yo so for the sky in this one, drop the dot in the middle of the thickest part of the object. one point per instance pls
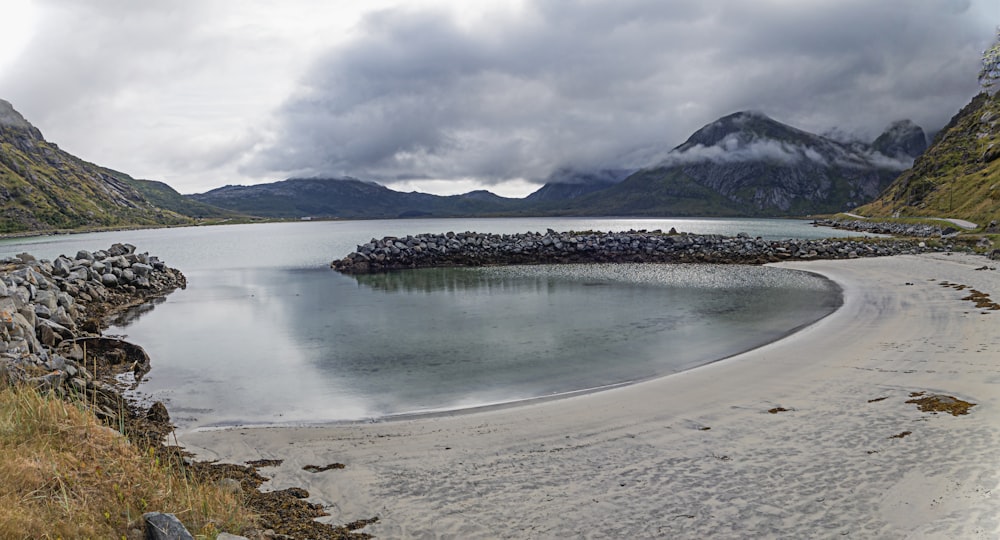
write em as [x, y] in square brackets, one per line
[448, 96]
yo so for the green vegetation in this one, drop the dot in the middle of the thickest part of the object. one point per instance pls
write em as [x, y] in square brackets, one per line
[65, 475]
[958, 176]
[163, 196]
[45, 188]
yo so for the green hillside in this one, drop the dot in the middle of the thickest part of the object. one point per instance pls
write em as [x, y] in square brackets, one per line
[163, 196]
[44, 188]
[958, 176]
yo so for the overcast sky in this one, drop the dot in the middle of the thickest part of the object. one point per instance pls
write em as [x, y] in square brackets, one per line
[446, 96]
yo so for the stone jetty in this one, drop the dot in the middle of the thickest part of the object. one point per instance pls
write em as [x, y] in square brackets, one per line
[551, 247]
[913, 230]
[52, 314]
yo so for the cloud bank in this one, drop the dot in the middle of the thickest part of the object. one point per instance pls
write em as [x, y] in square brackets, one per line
[508, 92]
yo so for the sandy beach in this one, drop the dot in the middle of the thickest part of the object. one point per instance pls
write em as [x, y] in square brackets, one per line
[807, 437]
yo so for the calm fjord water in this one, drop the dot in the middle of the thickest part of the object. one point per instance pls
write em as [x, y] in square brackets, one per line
[266, 334]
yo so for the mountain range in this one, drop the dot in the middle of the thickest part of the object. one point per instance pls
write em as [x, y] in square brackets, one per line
[743, 164]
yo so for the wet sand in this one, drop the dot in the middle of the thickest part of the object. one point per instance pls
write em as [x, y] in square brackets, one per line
[809, 436]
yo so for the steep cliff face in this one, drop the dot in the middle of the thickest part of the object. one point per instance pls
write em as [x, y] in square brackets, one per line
[44, 188]
[750, 165]
[958, 176]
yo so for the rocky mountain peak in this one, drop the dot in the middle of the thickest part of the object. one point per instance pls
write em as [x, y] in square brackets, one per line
[10, 118]
[902, 138]
[743, 128]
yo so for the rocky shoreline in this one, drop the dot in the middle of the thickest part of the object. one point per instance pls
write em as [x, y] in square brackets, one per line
[53, 313]
[551, 247]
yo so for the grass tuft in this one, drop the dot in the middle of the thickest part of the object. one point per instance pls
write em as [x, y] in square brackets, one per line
[64, 475]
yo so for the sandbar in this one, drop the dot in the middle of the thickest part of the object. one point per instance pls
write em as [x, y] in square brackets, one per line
[810, 436]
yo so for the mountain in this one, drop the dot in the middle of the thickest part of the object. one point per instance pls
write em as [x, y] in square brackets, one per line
[567, 183]
[959, 174]
[349, 198]
[166, 197]
[744, 164]
[44, 188]
[903, 139]
[747, 164]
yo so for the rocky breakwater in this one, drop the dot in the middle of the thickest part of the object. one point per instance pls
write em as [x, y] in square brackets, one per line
[913, 230]
[478, 249]
[52, 314]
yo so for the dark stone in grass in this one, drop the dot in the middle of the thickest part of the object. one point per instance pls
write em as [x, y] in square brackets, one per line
[161, 526]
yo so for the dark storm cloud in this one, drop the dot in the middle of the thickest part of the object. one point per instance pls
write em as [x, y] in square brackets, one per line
[607, 83]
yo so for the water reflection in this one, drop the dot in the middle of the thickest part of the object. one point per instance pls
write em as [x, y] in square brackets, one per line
[286, 346]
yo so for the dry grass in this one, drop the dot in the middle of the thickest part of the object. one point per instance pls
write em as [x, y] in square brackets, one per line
[64, 475]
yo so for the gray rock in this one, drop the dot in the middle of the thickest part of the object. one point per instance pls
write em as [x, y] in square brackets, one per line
[84, 255]
[227, 536]
[61, 266]
[109, 280]
[47, 299]
[142, 269]
[160, 526]
[56, 362]
[62, 317]
[78, 274]
[61, 331]
[48, 381]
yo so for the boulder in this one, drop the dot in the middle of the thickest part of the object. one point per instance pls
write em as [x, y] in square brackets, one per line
[160, 526]
[109, 280]
[142, 269]
[61, 266]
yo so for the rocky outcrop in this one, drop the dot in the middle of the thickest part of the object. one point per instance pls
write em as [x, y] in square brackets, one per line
[52, 312]
[478, 249]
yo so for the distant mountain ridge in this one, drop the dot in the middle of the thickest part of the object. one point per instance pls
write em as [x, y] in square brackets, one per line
[744, 164]
[349, 198]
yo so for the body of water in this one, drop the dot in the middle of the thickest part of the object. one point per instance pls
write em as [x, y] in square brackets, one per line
[266, 334]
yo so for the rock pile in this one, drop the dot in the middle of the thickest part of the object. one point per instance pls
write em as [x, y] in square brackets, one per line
[912, 230]
[478, 249]
[52, 312]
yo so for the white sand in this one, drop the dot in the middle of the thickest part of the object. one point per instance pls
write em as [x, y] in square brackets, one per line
[639, 461]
